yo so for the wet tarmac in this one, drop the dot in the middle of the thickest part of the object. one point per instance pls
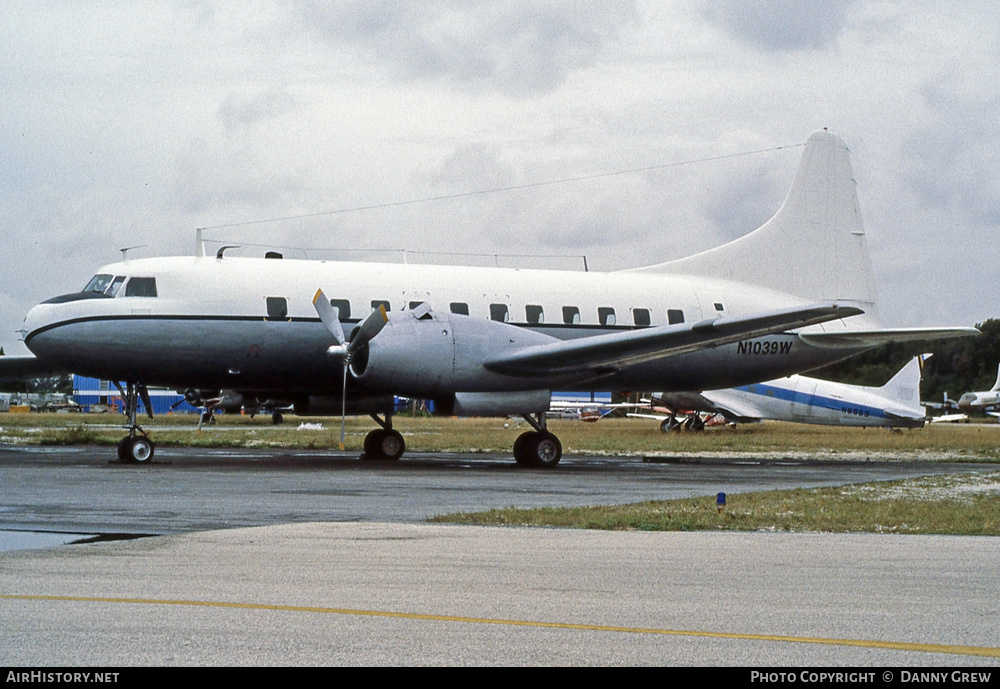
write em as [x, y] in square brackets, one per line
[261, 557]
[87, 490]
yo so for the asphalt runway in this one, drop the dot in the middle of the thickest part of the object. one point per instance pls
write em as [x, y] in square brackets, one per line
[278, 558]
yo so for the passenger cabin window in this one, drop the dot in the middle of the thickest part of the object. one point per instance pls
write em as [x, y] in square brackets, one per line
[675, 316]
[534, 314]
[460, 308]
[376, 303]
[277, 307]
[641, 317]
[499, 312]
[571, 315]
[98, 283]
[606, 315]
[140, 287]
[343, 308]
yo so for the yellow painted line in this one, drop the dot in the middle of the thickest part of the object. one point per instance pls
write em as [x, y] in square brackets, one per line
[986, 651]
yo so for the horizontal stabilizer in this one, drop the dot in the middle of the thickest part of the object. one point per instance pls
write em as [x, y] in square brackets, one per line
[874, 338]
[607, 353]
[733, 406]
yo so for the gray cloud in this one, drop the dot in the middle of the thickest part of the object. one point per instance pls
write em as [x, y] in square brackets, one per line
[239, 111]
[740, 203]
[952, 162]
[516, 48]
[779, 25]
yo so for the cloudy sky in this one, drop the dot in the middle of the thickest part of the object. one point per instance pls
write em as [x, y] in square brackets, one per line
[135, 123]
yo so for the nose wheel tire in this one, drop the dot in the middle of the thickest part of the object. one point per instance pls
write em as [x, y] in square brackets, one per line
[137, 449]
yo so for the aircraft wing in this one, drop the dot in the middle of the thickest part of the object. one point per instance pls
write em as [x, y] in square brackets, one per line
[949, 418]
[866, 338]
[13, 368]
[603, 354]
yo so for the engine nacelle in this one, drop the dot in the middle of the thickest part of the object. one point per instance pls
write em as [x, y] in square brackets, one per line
[330, 405]
[494, 403]
[430, 354]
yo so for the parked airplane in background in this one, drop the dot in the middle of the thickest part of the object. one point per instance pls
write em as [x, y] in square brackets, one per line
[479, 341]
[987, 401]
[211, 401]
[809, 400]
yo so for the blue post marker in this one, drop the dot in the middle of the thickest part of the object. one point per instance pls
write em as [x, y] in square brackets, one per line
[720, 502]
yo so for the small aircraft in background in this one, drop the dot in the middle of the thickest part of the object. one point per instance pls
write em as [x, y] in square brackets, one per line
[987, 401]
[588, 406]
[211, 401]
[802, 399]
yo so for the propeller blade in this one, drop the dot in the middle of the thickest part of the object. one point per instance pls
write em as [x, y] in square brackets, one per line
[343, 409]
[329, 315]
[370, 328]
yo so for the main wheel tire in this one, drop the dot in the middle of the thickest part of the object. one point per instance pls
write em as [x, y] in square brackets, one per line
[546, 451]
[383, 444]
[392, 445]
[521, 456]
[670, 425]
[372, 442]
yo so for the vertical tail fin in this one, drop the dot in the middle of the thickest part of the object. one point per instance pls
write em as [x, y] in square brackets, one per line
[814, 247]
[996, 385]
[905, 385]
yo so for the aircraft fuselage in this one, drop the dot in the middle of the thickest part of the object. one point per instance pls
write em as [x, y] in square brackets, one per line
[249, 324]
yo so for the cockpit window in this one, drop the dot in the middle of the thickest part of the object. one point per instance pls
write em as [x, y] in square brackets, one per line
[116, 285]
[98, 283]
[140, 287]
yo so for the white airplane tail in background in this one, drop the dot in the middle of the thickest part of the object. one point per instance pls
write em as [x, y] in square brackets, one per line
[814, 247]
[996, 385]
[905, 385]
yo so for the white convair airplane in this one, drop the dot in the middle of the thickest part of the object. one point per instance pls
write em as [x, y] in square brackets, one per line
[986, 400]
[802, 399]
[480, 341]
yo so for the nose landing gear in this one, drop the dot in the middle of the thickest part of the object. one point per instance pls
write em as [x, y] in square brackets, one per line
[136, 446]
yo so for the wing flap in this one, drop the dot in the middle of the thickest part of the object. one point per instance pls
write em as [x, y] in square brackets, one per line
[608, 353]
[873, 338]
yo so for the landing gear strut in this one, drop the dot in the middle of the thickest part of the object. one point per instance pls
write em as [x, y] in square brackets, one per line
[136, 446]
[538, 448]
[384, 443]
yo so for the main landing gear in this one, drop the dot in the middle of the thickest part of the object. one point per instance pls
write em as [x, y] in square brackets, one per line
[538, 448]
[136, 446]
[384, 443]
[695, 422]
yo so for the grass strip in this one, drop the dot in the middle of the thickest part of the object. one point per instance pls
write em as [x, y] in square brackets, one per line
[963, 504]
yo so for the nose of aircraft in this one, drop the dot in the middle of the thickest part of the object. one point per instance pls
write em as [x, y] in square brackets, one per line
[36, 322]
